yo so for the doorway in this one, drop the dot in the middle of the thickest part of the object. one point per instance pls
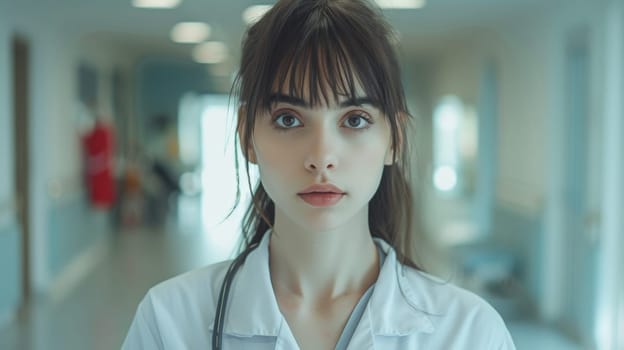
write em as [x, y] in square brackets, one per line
[21, 124]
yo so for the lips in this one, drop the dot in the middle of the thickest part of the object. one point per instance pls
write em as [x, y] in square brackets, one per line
[322, 195]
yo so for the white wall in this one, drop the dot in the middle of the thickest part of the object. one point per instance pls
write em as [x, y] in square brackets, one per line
[610, 303]
[106, 56]
[526, 94]
[58, 104]
[63, 54]
[49, 150]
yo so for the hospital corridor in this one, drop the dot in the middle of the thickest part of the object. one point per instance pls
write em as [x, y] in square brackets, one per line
[118, 159]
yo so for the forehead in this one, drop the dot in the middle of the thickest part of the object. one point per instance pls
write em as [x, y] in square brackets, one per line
[317, 85]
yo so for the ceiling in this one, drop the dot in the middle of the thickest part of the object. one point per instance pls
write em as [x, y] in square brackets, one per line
[147, 31]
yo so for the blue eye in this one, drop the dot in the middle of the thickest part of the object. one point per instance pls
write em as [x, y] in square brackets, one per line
[286, 121]
[357, 121]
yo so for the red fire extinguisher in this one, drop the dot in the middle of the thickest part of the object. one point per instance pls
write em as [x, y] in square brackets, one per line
[99, 147]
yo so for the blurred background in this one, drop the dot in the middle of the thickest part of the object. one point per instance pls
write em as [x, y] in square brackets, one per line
[117, 165]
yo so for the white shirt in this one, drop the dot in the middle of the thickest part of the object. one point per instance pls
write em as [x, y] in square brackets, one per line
[408, 309]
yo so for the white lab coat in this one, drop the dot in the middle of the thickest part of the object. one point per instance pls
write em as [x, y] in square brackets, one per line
[407, 310]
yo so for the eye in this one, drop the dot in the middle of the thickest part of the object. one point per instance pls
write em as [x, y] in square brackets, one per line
[286, 121]
[357, 121]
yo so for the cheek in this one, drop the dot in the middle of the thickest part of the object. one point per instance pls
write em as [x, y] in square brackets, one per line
[273, 157]
[370, 152]
[369, 161]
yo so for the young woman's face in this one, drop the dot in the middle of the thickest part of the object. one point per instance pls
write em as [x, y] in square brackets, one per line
[344, 144]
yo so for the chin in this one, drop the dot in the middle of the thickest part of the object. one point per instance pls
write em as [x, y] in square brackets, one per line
[321, 219]
[327, 221]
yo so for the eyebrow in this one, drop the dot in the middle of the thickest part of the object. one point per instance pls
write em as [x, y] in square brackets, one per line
[299, 102]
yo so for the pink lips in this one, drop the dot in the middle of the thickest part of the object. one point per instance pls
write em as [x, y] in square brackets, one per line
[322, 195]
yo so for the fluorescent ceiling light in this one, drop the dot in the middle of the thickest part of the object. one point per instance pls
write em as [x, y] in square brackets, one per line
[401, 4]
[210, 52]
[156, 4]
[190, 32]
[253, 13]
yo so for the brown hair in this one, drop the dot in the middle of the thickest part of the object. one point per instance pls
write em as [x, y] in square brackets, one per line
[333, 45]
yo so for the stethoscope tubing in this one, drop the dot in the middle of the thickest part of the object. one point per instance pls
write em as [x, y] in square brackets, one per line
[219, 319]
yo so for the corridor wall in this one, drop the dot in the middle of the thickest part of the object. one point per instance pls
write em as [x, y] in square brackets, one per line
[67, 236]
[71, 236]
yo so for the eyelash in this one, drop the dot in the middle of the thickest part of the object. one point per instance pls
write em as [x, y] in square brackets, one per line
[367, 119]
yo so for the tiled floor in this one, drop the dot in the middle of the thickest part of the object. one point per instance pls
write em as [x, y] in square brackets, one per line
[97, 313]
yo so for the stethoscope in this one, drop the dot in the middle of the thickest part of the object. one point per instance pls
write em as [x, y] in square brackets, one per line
[219, 319]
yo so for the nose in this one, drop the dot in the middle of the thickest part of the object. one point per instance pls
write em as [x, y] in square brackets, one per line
[321, 155]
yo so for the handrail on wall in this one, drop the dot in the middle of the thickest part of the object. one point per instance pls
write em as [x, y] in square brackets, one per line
[8, 209]
[63, 189]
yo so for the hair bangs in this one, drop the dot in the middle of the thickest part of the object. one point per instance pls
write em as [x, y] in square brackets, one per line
[323, 64]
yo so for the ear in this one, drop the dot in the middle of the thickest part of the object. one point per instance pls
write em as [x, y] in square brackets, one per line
[249, 152]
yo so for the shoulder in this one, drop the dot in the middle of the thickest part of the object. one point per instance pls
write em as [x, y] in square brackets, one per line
[194, 290]
[452, 308]
[438, 296]
[177, 311]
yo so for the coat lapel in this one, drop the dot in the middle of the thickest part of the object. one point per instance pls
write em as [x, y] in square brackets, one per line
[363, 337]
[391, 310]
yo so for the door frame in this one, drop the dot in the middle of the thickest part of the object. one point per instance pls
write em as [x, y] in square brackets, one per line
[21, 118]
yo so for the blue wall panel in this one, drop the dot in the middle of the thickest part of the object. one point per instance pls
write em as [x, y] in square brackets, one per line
[10, 269]
[71, 231]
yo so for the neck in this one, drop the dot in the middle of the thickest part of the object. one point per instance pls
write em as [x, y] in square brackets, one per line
[322, 266]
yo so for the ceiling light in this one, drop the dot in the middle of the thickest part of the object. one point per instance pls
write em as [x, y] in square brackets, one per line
[190, 32]
[156, 4]
[253, 13]
[210, 52]
[401, 4]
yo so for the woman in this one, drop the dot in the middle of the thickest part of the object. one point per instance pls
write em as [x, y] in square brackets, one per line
[323, 115]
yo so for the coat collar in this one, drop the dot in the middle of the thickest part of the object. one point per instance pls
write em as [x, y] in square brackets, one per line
[394, 308]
